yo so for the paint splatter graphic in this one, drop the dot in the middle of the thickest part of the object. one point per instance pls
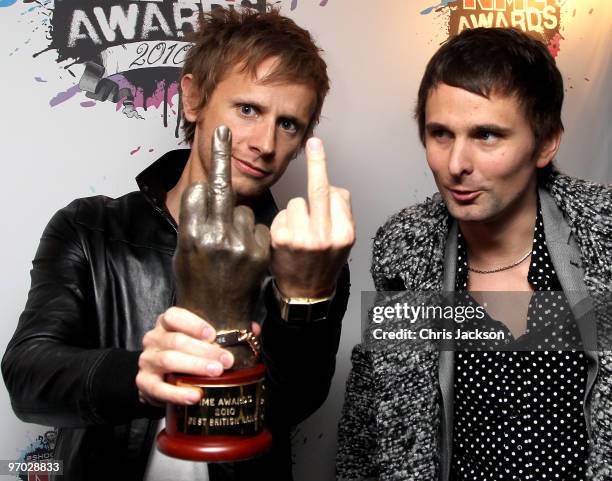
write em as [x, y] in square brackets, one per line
[132, 51]
[555, 45]
[294, 4]
[442, 4]
[63, 96]
[542, 22]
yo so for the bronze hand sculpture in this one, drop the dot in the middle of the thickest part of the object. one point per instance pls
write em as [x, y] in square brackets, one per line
[220, 262]
[222, 256]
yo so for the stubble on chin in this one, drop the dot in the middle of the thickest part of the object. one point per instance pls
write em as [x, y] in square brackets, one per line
[483, 210]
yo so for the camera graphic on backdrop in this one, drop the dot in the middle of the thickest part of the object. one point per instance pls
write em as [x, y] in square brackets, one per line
[129, 52]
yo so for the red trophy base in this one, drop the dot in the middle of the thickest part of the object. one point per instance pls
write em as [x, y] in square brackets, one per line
[214, 448]
[227, 424]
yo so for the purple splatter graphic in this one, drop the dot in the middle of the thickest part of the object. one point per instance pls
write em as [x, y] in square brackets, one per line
[294, 4]
[153, 99]
[63, 96]
[136, 48]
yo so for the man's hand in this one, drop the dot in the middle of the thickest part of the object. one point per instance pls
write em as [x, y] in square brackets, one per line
[181, 342]
[311, 241]
[219, 264]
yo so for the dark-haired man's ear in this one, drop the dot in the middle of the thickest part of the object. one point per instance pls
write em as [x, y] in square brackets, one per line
[548, 150]
[190, 98]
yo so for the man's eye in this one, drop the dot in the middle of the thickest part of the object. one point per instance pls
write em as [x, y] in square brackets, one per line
[440, 134]
[247, 110]
[487, 136]
[288, 125]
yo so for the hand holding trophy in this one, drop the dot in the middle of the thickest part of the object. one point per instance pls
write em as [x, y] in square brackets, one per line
[219, 265]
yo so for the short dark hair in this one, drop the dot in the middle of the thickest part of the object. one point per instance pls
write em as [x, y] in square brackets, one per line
[229, 37]
[503, 61]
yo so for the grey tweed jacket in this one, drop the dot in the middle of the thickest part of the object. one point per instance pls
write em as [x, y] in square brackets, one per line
[396, 421]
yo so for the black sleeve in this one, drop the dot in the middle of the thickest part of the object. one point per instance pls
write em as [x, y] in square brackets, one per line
[55, 371]
[300, 359]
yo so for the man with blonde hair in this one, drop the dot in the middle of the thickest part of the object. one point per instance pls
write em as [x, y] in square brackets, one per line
[102, 284]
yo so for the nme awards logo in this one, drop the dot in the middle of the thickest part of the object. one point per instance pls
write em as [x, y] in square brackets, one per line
[132, 51]
[538, 18]
[40, 451]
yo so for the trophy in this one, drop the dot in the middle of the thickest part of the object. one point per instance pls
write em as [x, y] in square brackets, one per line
[219, 264]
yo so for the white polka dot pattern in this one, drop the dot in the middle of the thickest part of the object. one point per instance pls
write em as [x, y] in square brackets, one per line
[518, 415]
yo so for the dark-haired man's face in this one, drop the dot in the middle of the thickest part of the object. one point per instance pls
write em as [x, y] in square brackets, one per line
[268, 123]
[481, 153]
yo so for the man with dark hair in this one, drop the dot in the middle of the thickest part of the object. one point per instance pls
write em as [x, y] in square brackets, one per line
[489, 115]
[102, 283]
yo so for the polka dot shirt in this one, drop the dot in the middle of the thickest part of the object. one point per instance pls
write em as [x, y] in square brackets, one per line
[518, 415]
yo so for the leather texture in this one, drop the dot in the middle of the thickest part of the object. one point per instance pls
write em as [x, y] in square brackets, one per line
[101, 276]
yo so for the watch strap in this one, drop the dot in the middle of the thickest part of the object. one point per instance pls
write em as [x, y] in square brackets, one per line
[235, 337]
[302, 309]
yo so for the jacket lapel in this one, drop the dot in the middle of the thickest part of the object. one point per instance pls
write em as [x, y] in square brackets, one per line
[446, 370]
[566, 258]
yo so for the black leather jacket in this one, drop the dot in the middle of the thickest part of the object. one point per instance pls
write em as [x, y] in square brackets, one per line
[101, 276]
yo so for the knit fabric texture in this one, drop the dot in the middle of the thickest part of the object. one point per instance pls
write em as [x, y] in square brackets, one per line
[391, 419]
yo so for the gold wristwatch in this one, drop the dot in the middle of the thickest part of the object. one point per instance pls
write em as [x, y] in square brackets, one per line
[302, 309]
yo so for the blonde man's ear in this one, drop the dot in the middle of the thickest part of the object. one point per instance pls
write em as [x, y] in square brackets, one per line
[190, 98]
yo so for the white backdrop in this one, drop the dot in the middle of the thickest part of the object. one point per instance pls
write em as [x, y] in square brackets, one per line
[376, 52]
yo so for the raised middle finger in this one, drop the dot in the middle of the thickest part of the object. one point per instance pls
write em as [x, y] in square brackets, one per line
[220, 195]
[318, 188]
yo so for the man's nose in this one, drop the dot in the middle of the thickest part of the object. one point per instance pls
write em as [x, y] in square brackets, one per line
[460, 162]
[263, 138]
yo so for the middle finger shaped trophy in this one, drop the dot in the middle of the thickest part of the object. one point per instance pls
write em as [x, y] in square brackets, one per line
[220, 262]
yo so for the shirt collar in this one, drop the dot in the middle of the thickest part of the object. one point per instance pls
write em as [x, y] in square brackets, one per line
[161, 176]
[541, 275]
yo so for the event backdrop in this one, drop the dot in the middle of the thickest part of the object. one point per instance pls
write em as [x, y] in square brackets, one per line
[89, 98]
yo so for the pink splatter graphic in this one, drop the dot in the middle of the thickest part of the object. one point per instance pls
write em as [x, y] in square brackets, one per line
[158, 97]
[554, 47]
[155, 100]
[132, 152]
[154, 89]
